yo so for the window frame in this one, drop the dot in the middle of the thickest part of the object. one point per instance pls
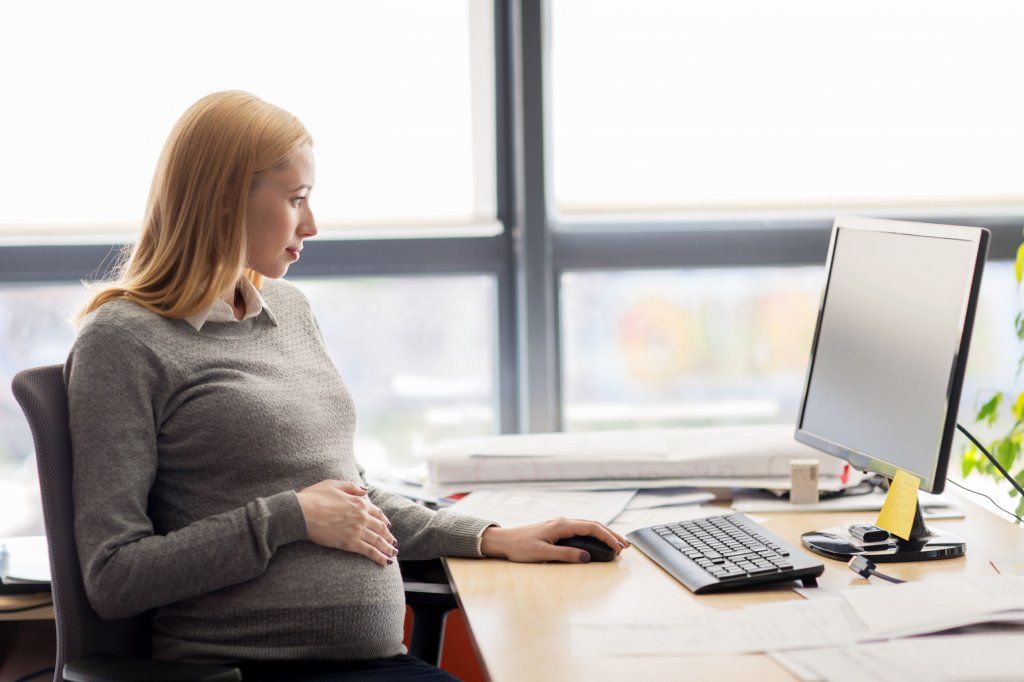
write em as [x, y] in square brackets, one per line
[534, 248]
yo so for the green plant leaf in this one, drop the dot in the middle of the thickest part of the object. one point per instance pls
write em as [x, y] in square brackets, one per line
[989, 411]
[1006, 452]
[1018, 266]
[1018, 325]
[1019, 477]
[969, 460]
[1018, 407]
[1020, 509]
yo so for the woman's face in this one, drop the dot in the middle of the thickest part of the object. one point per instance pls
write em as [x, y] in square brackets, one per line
[278, 215]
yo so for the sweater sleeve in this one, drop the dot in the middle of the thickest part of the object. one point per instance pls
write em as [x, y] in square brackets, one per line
[426, 534]
[116, 387]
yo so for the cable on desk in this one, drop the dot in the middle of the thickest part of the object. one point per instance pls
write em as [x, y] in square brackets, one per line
[27, 608]
[998, 466]
[987, 498]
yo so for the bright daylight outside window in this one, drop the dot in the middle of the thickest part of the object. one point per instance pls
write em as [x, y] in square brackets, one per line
[707, 346]
[742, 109]
[399, 98]
[800, 107]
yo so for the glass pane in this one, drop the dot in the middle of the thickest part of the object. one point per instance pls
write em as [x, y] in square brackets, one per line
[704, 346]
[35, 329]
[741, 105]
[398, 97]
[418, 354]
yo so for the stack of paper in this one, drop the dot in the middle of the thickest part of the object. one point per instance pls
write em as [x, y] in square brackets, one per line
[24, 561]
[932, 506]
[944, 658]
[853, 616]
[741, 456]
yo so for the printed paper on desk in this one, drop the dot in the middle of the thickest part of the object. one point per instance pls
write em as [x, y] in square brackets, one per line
[830, 483]
[1008, 566]
[914, 608]
[955, 658]
[669, 497]
[724, 452]
[519, 507]
[932, 506]
[634, 519]
[25, 561]
[765, 627]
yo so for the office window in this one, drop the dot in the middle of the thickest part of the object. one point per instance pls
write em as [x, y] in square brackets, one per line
[398, 96]
[795, 108]
[704, 346]
[36, 329]
[417, 353]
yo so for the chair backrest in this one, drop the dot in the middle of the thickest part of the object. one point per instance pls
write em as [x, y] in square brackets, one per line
[80, 631]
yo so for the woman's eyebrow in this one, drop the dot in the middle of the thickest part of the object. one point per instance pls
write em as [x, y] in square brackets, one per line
[301, 187]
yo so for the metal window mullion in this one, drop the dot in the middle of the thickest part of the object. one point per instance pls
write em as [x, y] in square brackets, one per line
[506, 199]
[638, 245]
[536, 304]
[341, 258]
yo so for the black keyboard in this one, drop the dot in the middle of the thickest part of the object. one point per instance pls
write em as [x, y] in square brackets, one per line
[724, 552]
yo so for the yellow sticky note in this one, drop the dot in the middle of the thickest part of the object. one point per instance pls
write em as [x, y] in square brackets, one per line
[897, 515]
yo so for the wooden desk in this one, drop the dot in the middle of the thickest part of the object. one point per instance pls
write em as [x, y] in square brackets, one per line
[518, 614]
[20, 600]
[28, 639]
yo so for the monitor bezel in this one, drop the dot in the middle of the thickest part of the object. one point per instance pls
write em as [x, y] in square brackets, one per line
[934, 481]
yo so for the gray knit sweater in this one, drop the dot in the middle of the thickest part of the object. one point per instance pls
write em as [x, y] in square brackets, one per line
[189, 448]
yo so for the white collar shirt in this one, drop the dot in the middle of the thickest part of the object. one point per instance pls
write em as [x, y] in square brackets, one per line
[220, 311]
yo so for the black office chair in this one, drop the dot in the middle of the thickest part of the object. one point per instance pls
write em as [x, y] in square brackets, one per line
[92, 649]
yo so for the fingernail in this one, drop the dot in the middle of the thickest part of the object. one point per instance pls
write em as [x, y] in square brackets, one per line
[622, 545]
[395, 543]
[584, 557]
[364, 487]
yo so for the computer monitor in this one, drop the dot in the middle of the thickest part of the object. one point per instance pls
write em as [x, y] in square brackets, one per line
[888, 359]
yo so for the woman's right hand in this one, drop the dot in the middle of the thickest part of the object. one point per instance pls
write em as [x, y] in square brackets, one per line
[340, 515]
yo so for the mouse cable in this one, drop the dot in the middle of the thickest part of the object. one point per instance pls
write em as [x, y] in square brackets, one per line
[865, 568]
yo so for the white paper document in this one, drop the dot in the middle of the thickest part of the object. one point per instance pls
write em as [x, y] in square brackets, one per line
[520, 507]
[855, 615]
[831, 483]
[669, 497]
[711, 452]
[920, 607]
[1008, 566]
[24, 560]
[933, 506]
[765, 627]
[632, 519]
[944, 658]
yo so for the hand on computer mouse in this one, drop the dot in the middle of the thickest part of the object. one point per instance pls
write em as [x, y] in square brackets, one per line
[539, 541]
[597, 550]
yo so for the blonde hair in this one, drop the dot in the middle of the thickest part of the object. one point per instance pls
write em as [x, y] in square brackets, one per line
[193, 246]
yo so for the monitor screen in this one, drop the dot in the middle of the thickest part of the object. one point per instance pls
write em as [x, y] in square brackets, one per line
[890, 347]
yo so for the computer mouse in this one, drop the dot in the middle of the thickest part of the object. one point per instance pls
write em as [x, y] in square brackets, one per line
[598, 550]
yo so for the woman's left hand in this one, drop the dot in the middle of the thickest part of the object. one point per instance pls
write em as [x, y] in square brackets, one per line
[536, 542]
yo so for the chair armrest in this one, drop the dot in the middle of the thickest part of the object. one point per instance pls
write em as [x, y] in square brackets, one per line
[123, 669]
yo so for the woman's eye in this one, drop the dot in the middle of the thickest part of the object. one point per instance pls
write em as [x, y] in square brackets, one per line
[297, 201]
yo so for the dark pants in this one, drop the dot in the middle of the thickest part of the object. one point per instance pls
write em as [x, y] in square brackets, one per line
[377, 670]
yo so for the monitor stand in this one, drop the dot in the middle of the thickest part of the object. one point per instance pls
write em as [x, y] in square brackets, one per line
[924, 544]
